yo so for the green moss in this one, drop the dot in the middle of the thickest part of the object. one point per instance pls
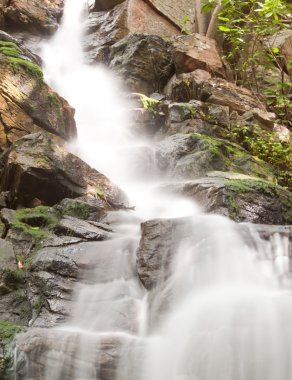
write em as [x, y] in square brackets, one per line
[9, 44]
[8, 332]
[99, 193]
[39, 304]
[36, 222]
[56, 104]
[30, 67]
[76, 209]
[10, 51]
[14, 58]
[14, 278]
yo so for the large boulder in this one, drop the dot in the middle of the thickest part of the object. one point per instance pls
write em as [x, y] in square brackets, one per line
[195, 51]
[37, 166]
[189, 156]
[132, 16]
[161, 239]
[144, 61]
[27, 104]
[95, 356]
[33, 15]
[240, 197]
[219, 91]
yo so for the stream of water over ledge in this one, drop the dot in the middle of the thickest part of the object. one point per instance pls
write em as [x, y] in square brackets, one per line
[221, 311]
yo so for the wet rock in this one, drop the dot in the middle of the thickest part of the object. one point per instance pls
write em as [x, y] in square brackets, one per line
[219, 91]
[27, 104]
[8, 331]
[71, 226]
[144, 61]
[33, 15]
[157, 247]
[38, 166]
[160, 239]
[195, 51]
[103, 355]
[87, 208]
[193, 155]
[103, 29]
[240, 197]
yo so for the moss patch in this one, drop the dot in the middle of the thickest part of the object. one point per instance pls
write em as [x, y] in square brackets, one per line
[8, 331]
[14, 58]
[77, 210]
[249, 190]
[36, 222]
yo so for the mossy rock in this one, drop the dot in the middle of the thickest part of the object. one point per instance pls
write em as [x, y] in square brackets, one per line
[8, 332]
[270, 202]
[190, 156]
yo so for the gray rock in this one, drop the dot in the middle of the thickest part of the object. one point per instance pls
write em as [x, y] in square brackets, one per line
[144, 61]
[71, 226]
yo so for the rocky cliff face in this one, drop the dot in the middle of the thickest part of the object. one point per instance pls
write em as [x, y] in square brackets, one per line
[208, 136]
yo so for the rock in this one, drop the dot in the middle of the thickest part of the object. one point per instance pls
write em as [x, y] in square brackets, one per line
[27, 104]
[219, 91]
[105, 5]
[240, 197]
[183, 87]
[283, 41]
[71, 226]
[8, 332]
[195, 51]
[180, 13]
[157, 247]
[86, 208]
[144, 61]
[38, 166]
[188, 156]
[39, 350]
[160, 238]
[33, 15]
[131, 16]
[8, 217]
[7, 266]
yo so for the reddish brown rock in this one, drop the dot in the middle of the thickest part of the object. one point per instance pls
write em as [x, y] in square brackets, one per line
[105, 5]
[38, 166]
[181, 13]
[34, 15]
[219, 91]
[194, 51]
[106, 28]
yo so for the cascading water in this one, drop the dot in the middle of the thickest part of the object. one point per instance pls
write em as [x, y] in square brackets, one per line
[220, 314]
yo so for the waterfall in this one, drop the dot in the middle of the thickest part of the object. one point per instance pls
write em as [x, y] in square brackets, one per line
[221, 313]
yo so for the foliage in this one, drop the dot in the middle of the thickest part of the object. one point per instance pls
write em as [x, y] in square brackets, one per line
[148, 103]
[267, 147]
[248, 27]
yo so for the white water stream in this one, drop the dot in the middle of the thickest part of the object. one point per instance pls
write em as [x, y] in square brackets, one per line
[227, 318]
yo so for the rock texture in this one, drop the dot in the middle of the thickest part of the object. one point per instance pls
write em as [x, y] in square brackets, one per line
[241, 198]
[194, 51]
[38, 349]
[145, 61]
[131, 16]
[37, 166]
[160, 239]
[32, 15]
[27, 104]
